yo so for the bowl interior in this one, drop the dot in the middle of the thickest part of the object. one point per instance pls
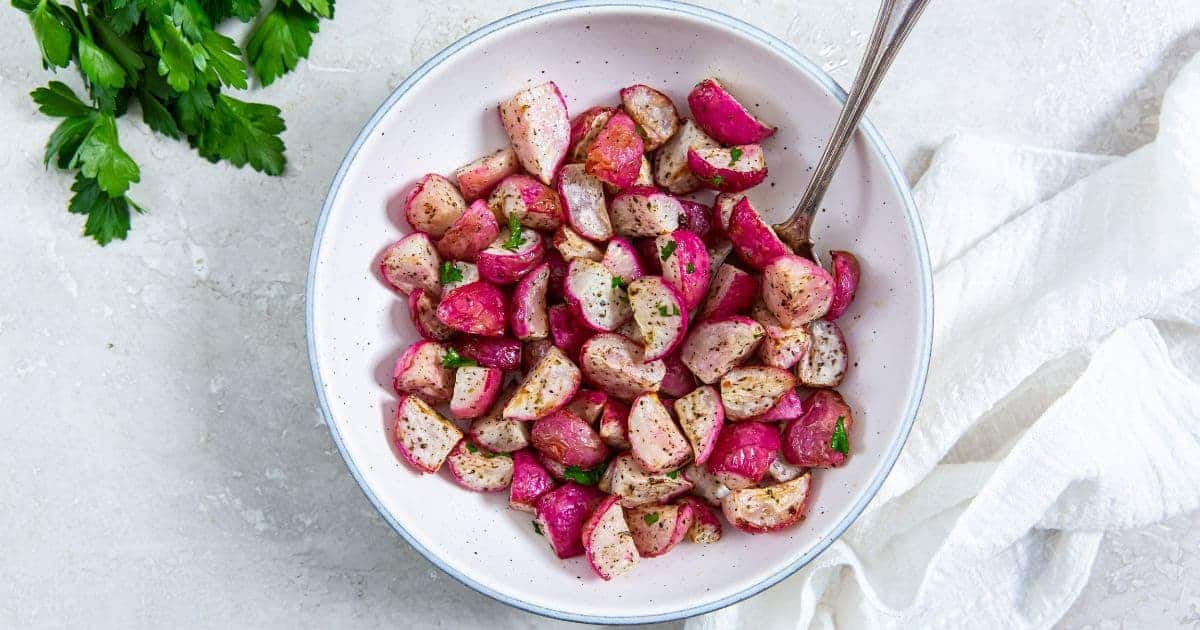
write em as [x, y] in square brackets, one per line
[446, 118]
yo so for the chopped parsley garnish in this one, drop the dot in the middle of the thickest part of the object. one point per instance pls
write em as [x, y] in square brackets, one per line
[472, 448]
[674, 474]
[586, 476]
[663, 312]
[691, 268]
[650, 518]
[515, 240]
[537, 528]
[735, 154]
[717, 180]
[449, 272]
[454, 360]
[667, 250]
[641, 132]
[619, 283]
[838, 441]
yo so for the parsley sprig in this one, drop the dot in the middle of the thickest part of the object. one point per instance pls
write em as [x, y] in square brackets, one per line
[168, 56]
[515, 239]
[449, 272]
[452, 359]
[838, 441]
[586, 476]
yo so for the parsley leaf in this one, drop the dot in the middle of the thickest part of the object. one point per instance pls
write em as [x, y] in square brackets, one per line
[99, 66]
[321, 8]
[650, 518]
[59, 100]
[619, 283]
[538, 528]
[586, 476]
[157, 116]
[449, 272]
[454, 360]
[674, 474]
[515, 240]
[193, 108]
[101, 157]
[472, 448]
[735, 154]
[224, 61]
[279, 41]
[53, 36]
[717, 180]
[65, 139]
[107, 217]
[243, 133]
[667, 250]
[838, 440]
[691, 268]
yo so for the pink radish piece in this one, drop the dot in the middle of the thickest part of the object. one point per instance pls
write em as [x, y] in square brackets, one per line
[608, 542]
[621, 260]
[723, 207]
[627, 479]
[410, 263]
[743, 453]
[751, 391]
[753, 240]
[583, 199]
[477, 179]
[561, 514]
[433, 205]
[782, 471]
[476, 469]
[796, 290]
[696, 217]
[705, 485]
[789, 407]
[657, 443]
[588, 404]
[758, 510]
[658, 528]
[584, 129]
[701, 416]
[671, 161]
[571, 245]
[538, 126]
[825, 362]
[566, 330]
[535, 205]
[723, 117]
[653, 112]
[547, 388]
[498, 435]
[529, 318]
[491, 352]
[706, 527]
[595, 299]
[423, 437]
[684, 265]
[729, 170]
[470, 234]
[678, 380]
[660, 313]
[781, 347]
[420, 371]
[500, 265]
[614, 425]
[567, 439]
[808, 440]
[731, 293]
[423, 311]
[475, 391]
[845, 283]
[618, 366]
[478, 308]
[529, 482]
[616, 155]
[644, 211]
[716, 346]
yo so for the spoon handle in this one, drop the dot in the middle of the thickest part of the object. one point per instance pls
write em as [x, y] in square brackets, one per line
[893, 24]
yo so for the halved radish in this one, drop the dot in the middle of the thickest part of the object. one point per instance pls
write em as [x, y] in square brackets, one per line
[660, 313]
[478, 308]
[845, 283]
[731, 293]
[701, 416]
[796, 290]
[781, 470]
[684, 261]
[477, 179]
[537, 124]
[491, 352]
[789, 407]
[616, 155]
[723, 207]
[567, 439]
[619, 367]
[423, 311]
[706, 527]
[470, 234]
[658, 528]
[588, 404]
[733, 169]
[671, 164]
[723, 117]
[583, 199]
[743, 453]
[420, 371]
[423, 437]
[412, 262]
[546, 389]
[758, 510]
[529, 482]
[535, 205]
[644, 211]
[476, 469]
[475, 390]
[606, 539]
[782, 347]
[567, 332]
[614, 425]
[621, 260]
[501, 265]
[825, 362]
[716, 346]
[584, 129]
[678, 380]
[497, 434]
[529, 318]
[747, 392]
[561, 514]
[571, 245]
[809, 439]
[696, 217]
[653, 112]
[754, 241]
[627, 479]
[705, 485]
[656, 442]
[433, 205]
[595, 297]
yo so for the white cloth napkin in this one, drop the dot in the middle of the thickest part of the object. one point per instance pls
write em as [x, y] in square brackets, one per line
[1063, 399]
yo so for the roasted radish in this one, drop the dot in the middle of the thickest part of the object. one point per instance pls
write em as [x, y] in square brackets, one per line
[588, 404]
[656, 442]
[476, 469]
[529, 482]
[781, 347]
[658, 528]
[610, 547]
[705, 485]
[731, 293]
[477, 179]
[758, 510]
[538, 126]
[491, 352]
[614, 425]
[716, 346]
[410, 263]
[619, 367]
[529, 318]
[644, 211]
[571, 245]
[583, 200]
[743, 453]
[475, 390]
[470, 234]
[678, 379]
[660, 313]
[567, 439]
[701, 416]
[754, 241]
[723, 117]
[671, 161]
[423, 311]
[596, 298]
[819, 438]
[433, 205]
[747, 392]
[824, 365]
[653, 112]
[420, 371]
[510, 256]
[546, 389]
[796, 290]
[533, 204]
[729, 170]
[423, 437]
[627, 479]
[616, 154]
[584, 129]
[478, 308]
[706, 527]
[684, 265]
[561, 514]
[621, 260]
[845, 283]
[567, 332]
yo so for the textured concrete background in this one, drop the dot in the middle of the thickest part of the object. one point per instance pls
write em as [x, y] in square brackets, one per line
[166, 463]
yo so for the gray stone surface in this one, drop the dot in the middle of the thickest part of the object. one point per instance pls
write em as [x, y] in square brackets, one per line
[166, 463]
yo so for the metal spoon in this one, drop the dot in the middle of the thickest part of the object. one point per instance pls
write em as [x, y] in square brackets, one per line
[893, 24]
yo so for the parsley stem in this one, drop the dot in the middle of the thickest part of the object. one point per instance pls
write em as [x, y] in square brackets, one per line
[87, 28]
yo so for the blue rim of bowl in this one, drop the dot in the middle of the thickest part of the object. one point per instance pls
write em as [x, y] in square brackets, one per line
[876, 144]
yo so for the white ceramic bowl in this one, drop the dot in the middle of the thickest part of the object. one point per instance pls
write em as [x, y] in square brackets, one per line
[443, 116]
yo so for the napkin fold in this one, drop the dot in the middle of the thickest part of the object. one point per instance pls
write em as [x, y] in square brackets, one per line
[1063, 398]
